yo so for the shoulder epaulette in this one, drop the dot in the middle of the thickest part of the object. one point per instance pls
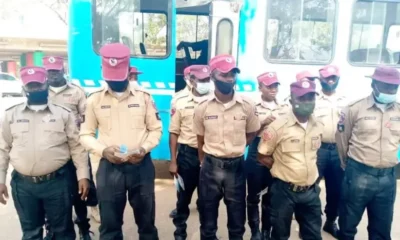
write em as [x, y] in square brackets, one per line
[278, 124]
[61, 106]
[248, 100]
[76, 85]
[355, 101]
[96, 91]
[14, 105]
[142, 89]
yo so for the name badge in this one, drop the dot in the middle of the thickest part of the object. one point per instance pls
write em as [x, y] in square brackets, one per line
[133, 105]
[240, 118]
[211, 117]
[369, 118]
[22, 120]
[105, 106]
[189, 107]
[395, 119]
[67, 95]
[295, 140]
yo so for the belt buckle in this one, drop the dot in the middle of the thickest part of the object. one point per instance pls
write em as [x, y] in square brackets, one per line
[294, 188]
[35, 179]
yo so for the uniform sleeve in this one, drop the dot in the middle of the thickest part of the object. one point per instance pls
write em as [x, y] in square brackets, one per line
[153, 125]
[268, 142]
[343, 134]
[79, 155]
[88, 131]
[198, 119]
[82, 104]
[5, 147]
[175, 123]
[253, 122]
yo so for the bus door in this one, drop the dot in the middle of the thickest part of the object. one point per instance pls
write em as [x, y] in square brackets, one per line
[224, 28]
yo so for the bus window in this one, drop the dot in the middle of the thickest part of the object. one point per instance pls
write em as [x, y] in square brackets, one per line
[191, 28]
[224, 37]
[141, 25]
[300, 31]
[375, 33]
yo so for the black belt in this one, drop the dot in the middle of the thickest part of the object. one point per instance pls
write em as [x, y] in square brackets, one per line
[187, 148]
[368, 169]
[295, 188]
[43, 178]
[224, 163]
[328, 146]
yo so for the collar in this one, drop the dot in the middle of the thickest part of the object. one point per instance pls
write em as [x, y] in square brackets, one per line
[236, 98]
[292, 120]
[323, 96]
[49, 107]
[130, 90]
[371, 102]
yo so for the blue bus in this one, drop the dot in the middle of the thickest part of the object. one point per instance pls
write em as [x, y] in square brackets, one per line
[286, 36]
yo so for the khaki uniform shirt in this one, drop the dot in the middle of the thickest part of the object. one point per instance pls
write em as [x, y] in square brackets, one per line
[368, 135]
[224, 128]
[131, 119]
[327, 111]
[39, 143]
[263, 112]
[182, 119]
[72, 97]
[293, 149]
[179, 94]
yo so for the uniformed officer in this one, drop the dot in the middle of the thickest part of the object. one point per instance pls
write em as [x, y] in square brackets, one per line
[126, 117]
[327, 110]
[186, 162]
[258, 176]
[301, 76]
[368, 137]
[38, 138]
[183, 92]
[133, 74]
[289, 147]
[224, 123]
[74, 98]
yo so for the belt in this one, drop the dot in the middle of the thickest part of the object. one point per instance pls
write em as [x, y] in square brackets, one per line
[43, 178]
[224, 163]
[328, 146]
[187, 148]
[295, 188]
[368, 169]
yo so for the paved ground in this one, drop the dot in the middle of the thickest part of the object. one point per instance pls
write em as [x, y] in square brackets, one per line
[165, 197]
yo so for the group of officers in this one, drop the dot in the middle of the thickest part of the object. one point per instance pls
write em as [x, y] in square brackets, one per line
[292, 146]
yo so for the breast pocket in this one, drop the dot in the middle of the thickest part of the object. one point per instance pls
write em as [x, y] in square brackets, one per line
[54, 133]
[138, 116]
[104, 119]
[366, 127]
[291, 147]
[239, 131]
[212, 130]
[20, 132]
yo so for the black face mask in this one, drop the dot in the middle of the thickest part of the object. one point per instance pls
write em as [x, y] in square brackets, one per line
[118, 86]
[224, 87]
[328, 87]
[37, 97]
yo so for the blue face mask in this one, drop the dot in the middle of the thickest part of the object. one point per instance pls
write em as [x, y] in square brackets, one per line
[385, 98]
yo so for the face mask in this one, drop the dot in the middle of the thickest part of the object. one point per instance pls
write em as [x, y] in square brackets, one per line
[385, 98]
[303, 109]
[329, 87]
[203, 88]
[37, 97]
[118, 86]
[224, 87]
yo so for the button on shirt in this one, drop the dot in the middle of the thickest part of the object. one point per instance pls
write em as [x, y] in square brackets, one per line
[224, 127]
[182, 120]
[131, 119]
[293, 149]
[368, 135]
[72, 97]
[327, 111]
[37, 143]
[264, 111]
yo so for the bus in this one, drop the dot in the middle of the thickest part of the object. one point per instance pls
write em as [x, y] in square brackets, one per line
[286, 36]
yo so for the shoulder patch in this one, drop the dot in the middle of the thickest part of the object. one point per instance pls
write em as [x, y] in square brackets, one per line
[61, 106]
[13, 106]
[96, 91]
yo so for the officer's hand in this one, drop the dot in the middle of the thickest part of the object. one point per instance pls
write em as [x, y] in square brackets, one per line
[137, 156]
[3, 194]
[173, 168]
[84, 187]
[109, 154]
[268, 121]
